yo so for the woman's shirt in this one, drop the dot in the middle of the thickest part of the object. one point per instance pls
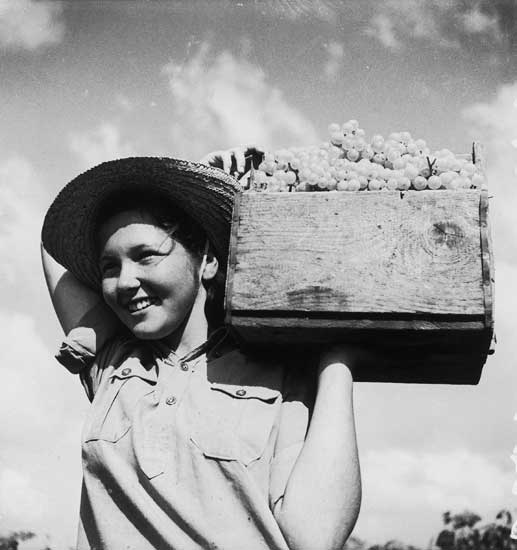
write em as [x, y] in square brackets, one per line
[185, 454]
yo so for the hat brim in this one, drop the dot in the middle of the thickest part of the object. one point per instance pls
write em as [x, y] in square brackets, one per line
[204, 193]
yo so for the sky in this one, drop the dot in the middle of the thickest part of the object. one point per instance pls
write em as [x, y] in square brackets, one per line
[86, 81]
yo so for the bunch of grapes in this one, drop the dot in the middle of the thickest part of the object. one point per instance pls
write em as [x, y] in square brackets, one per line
[350, 162]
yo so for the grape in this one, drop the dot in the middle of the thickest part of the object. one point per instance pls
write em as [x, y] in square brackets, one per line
[411, 171]
[412, 148]
[434, 182]
[353, 185]
[375, 185]
[331, 185]
[290, 178]
[353, 155]
[403, 183]
[419, 183]
[334, 128]
[363, 181]
[367, 152]
[393, 154]
[392, 184]
[342, 185]
[478, 180]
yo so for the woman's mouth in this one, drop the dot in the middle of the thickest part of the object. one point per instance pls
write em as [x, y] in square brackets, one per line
[140, 304]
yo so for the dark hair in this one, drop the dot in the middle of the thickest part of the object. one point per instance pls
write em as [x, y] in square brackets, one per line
[179, 226]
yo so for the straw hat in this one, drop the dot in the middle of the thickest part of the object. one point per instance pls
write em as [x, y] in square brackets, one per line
[204, 193]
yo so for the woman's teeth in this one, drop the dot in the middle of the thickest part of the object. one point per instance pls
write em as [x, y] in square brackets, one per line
[139, 304]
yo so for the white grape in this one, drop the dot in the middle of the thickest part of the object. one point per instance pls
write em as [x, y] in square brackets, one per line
[478, 180]
[352, 154]
[419, 183]
[434, 182]
[403, 183]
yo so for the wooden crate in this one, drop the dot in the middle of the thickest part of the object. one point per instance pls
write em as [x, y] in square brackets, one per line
[409, 273]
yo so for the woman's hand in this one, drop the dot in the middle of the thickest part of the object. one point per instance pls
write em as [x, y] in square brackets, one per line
[346, 356]
[236, 161]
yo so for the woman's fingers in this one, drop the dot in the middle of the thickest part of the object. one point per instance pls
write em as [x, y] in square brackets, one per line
[236, 161]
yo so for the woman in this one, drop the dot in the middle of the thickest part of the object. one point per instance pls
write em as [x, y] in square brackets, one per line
[189, 444]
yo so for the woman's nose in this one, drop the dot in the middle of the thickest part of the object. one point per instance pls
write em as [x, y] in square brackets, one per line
[128, 278]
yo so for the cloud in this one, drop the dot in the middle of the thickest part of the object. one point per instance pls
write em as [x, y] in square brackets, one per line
[420, 486]
[477, 22]
[220, 101]
[99, 145]
[22, 199]
[494, 124]
[444, 23]
[30, 24]
[42, 407]
[382, 28]
[336, 54]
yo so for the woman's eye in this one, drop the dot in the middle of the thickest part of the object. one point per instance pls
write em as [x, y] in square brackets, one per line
[108, 268]
[146, 256]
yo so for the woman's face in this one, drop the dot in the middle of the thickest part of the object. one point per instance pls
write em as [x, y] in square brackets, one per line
[149, 280]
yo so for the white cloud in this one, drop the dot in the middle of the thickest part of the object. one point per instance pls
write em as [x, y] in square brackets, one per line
[396, 22]
[220, 101]
[477, 22]
[415, 488]
[42, 407]
[494, 124]
[22, 200]
[336, 54]
[382, 28]
[29, 24]
[99, 145]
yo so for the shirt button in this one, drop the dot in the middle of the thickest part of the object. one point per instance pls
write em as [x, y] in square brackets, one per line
[170, 400]
[241, 393]
[125, 372]
[183, 365]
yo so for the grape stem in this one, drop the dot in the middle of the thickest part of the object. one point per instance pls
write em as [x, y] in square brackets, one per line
[431, 164]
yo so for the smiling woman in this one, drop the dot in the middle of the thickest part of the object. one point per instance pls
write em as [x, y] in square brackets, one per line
[189, 443]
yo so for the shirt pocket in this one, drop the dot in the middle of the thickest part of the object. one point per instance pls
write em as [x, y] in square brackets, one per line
[114, 404]
[235, 422]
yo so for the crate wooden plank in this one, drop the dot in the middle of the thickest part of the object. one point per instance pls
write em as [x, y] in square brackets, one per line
[359, 252]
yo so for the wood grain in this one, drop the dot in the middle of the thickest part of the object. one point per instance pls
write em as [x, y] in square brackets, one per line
[367, 252]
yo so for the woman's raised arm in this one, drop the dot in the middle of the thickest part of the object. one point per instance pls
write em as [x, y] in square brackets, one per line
[76, 305]
[323, 494]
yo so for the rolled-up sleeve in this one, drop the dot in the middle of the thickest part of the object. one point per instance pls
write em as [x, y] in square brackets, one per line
[294, 420]
[77, 351]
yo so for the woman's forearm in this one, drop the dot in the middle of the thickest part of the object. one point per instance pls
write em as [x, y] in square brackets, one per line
[323, 495]
[75, 304]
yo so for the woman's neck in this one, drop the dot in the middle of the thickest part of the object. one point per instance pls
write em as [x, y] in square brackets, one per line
[194, 331]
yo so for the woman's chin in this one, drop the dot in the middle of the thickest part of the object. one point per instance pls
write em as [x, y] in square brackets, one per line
[149, 332]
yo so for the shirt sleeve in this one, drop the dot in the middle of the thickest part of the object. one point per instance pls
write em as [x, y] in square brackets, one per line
[79, 354]
[78, 350]
[296, 410]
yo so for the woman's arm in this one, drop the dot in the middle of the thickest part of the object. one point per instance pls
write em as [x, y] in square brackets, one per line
[323, 494]
[76, 305]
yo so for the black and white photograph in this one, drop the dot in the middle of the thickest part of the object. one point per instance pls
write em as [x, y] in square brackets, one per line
[259, 268]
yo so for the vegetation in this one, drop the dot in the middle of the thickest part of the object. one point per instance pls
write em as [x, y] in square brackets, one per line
[461, 531]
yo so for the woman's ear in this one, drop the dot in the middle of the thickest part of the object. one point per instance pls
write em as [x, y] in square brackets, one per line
[211, 267]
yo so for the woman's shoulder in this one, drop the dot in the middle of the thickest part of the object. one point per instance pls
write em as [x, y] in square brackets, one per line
[273, 370]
